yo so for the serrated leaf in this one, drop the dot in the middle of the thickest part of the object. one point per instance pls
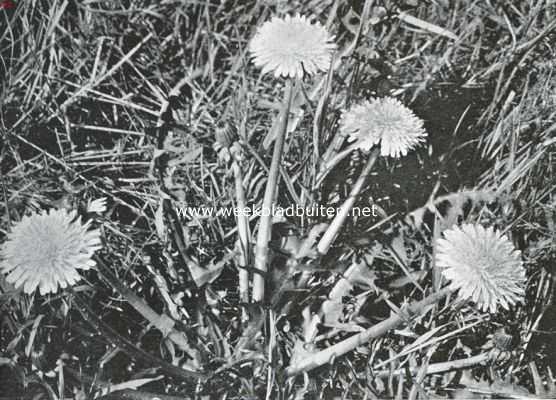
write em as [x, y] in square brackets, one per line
[97, 206]
[202, 276]
[208, 274]
[333, 311]
[308, 245]
[300, 351]
[449, 208]
[132, 384]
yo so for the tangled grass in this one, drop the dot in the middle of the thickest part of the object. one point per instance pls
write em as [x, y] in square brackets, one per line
[156, 106]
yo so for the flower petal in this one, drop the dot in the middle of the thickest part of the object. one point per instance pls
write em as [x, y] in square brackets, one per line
[386, 121]
[291, 47]
[483, 265]
[46, 250]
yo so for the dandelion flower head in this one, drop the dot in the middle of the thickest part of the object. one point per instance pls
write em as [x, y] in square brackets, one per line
[483, 265]
[386, 121]
[292, 46]
[46, 250]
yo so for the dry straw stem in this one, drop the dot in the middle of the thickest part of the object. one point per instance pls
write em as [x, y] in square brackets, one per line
[439, 368]
[265, 225]
[338, 221]
[339, 349]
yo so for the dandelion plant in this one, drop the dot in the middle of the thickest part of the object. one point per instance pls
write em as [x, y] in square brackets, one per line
[484, 267]
[290, 47]
[381, 126]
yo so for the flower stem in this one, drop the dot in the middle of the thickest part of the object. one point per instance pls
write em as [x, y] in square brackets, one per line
[442, 367]
[243, 233]
[330, 163]
[265, 225]
[338, 221]
[329, 354]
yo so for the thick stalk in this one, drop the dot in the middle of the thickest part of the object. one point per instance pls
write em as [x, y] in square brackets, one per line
[442, 367]
[339, 349]
[338, 221]
[265, 224]
[243, 233]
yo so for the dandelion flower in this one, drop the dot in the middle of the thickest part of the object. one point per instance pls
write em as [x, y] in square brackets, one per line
[483, 264]
[47, 249]
[291, 46]
[386, 121]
